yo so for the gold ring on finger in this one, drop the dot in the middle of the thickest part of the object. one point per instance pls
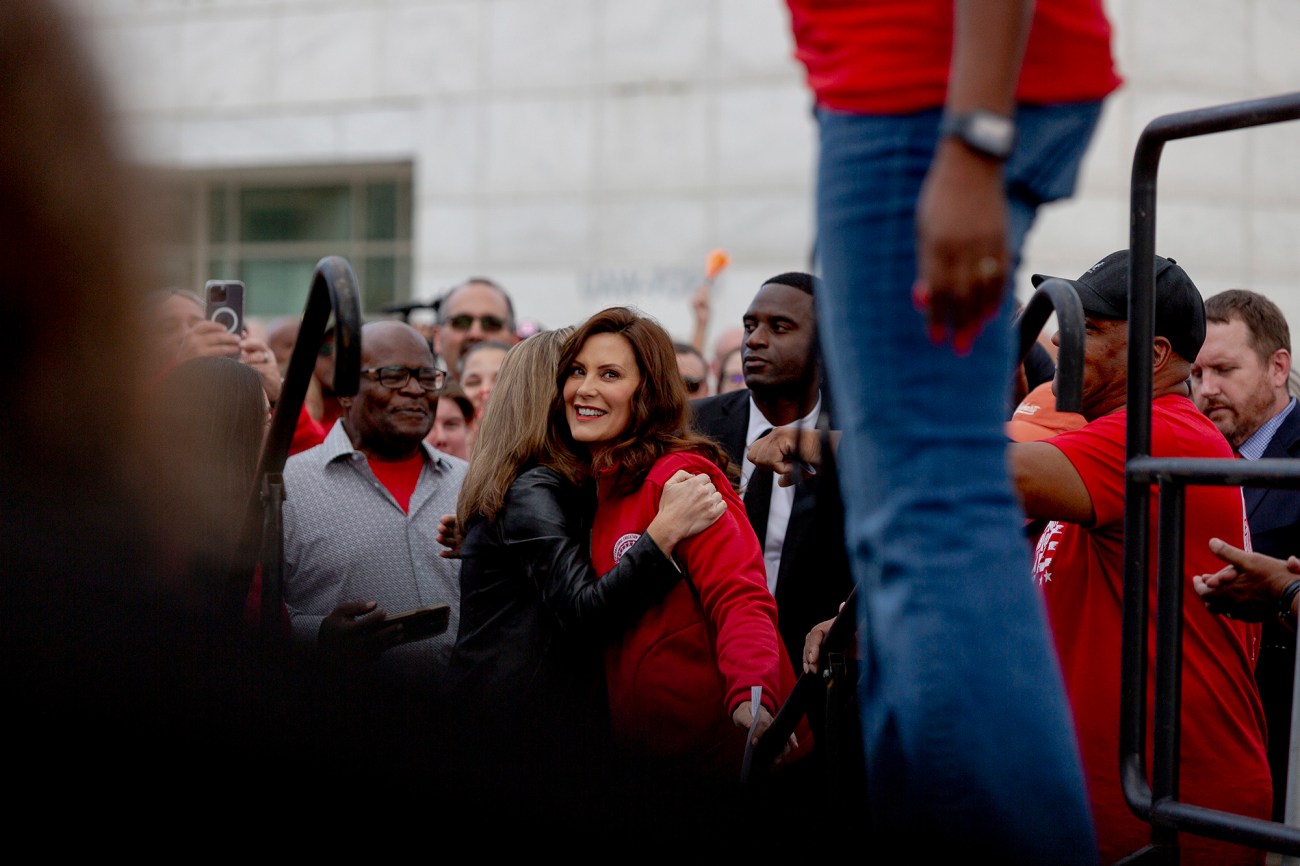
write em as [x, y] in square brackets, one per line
[988, 267]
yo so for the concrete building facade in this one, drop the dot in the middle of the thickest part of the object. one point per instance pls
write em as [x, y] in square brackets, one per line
[592, 152]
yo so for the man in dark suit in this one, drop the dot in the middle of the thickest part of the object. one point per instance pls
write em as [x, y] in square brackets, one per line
[1240, 382]
[801, 527]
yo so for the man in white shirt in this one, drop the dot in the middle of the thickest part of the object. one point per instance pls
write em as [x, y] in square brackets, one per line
[801, 527]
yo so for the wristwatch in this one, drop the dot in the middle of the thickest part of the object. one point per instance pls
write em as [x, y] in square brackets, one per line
[1284, 603]
[984, 132]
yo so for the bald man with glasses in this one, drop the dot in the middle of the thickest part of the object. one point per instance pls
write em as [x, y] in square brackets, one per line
[361, 516]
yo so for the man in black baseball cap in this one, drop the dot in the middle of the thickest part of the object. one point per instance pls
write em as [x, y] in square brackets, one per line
[1180, 311]
[1075, 481]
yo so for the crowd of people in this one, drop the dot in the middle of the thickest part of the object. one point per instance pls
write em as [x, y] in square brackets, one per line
[620, 618]
[627, 555]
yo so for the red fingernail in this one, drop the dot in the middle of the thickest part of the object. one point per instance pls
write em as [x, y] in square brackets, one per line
[920, 296]
[964, 340]
[936, 333]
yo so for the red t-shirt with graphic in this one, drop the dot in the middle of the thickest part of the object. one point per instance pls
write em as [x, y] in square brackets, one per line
[1223, 764]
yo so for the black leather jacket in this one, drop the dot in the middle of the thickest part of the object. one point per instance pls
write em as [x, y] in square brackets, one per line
[527, 666]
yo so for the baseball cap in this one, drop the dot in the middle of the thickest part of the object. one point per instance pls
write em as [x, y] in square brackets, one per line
[1180, 310]
[1038, 418]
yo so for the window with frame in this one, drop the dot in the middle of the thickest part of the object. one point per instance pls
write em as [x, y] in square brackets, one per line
[270, 229]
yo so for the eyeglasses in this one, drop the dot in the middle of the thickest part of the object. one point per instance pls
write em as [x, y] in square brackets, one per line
[693, 384]
[464, 322]
[430, 378]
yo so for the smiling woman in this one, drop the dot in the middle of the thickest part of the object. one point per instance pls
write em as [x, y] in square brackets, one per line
[599, 389]
[526, 668]
[680, 680]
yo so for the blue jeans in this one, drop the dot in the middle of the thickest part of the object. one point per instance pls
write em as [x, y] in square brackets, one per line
[967, 732]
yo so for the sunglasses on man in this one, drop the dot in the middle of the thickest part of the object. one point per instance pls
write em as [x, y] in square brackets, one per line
[464, 322]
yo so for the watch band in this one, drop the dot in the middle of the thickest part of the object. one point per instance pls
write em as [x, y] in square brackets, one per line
[1284, 602]
[985, 132]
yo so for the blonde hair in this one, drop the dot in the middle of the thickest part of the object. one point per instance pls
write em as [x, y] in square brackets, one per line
[519, 427]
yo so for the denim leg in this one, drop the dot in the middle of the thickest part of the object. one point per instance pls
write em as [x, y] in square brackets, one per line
[1045, 166]
[967, 733]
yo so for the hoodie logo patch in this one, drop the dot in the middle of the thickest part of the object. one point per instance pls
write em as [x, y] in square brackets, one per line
[624, 544]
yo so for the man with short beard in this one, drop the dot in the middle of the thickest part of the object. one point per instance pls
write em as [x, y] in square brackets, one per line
[361, 516]
[1239, 381]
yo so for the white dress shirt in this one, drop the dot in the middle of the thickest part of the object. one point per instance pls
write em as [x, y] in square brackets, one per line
[778, 515]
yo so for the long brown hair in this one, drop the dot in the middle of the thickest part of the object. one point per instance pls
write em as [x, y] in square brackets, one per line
[660, 422]
[209, 418]
[519, 427]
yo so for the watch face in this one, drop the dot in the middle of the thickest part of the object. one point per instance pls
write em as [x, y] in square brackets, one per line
[990, 134]
[993, 132]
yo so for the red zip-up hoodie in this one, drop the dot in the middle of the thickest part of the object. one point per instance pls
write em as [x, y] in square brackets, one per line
[679, 673]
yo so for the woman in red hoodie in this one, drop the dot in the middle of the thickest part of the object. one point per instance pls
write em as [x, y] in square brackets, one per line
[681, 681]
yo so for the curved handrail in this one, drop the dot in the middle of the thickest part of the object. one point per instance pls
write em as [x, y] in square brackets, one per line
[1057, 295]
[333, 291]
[838, 638]
[1154, 798]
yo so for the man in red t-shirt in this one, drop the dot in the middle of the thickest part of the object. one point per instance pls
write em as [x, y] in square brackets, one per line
[1076, 481]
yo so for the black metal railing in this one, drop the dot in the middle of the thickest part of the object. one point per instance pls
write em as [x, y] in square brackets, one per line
[1155, 800]
[1057, 296]
[333, 294]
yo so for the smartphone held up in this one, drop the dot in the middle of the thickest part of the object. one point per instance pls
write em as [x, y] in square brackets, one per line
[225, 304]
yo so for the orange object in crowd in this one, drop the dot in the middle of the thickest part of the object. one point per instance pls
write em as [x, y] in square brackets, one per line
[1037, 418]
[717, 260]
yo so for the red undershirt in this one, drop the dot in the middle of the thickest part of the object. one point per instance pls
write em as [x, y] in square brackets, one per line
[399, 476]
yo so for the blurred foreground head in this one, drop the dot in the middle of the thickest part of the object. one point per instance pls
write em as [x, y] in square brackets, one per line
[104, 661]
[77, 362]
[69, 297]
[118, 673]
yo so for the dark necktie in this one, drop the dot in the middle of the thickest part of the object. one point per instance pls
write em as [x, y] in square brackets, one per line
[758, 498]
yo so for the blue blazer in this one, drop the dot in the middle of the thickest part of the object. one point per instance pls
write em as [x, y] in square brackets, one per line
[1274, 513]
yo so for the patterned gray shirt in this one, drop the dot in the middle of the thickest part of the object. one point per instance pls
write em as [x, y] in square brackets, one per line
[347, 539]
